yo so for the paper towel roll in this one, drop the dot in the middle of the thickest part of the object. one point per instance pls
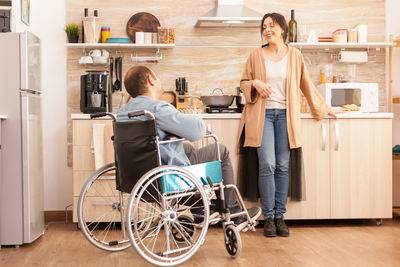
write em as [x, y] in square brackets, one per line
[98, 144]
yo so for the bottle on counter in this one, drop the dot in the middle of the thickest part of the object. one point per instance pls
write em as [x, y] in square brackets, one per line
[292, 28]
[105, 33]
[322, 79]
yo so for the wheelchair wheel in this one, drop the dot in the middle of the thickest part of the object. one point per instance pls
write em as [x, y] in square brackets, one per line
[188, 222]
[180, 220]
[101, 209]
[233, 242]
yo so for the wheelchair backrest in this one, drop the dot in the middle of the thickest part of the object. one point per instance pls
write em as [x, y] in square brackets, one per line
[135, 151]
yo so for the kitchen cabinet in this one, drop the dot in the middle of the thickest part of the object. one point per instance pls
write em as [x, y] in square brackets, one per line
[227, 131]
[83, 163]
[361, 168]
[316, 167]
[347, 169]
[347, 163]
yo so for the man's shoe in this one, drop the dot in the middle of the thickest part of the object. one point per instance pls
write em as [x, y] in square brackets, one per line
[241, 221]
[281, 227]
[269, 227]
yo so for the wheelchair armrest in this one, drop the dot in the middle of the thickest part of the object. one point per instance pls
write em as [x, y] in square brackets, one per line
[171, 137]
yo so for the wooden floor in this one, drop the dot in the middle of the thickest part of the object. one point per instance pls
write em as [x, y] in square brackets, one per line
[311, 243]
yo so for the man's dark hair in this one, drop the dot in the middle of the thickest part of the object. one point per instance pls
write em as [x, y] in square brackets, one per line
[276, 18]
[136, 80]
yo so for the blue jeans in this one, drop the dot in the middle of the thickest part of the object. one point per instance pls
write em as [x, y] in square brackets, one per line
[273, 164]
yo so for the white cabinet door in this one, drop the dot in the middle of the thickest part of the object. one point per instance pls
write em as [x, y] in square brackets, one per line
[361, 167]
[315, 136]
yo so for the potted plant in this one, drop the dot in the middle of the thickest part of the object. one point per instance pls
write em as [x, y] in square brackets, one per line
[72, 31]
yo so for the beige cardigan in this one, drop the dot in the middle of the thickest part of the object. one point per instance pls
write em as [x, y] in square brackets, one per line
[254, 111]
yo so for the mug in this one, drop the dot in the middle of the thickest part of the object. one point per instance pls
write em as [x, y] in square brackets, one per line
[95, 99]
[105, 53]
[139, 37]
[95, 53]
[100, 60]
[86, 60]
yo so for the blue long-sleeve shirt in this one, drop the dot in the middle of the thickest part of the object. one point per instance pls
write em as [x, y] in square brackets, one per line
[169, 121]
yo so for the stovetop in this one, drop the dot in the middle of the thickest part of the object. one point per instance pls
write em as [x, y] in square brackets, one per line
[224, 110]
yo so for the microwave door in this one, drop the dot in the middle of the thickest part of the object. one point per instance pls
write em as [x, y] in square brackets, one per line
[345, 96]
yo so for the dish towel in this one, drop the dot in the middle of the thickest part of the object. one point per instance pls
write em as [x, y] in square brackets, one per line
[98, 144]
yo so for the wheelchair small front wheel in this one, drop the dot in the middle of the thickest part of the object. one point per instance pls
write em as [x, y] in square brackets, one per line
[233, 242]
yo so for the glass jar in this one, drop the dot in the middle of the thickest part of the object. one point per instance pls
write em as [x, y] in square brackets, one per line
[352, 35]
[163, 37]
[171, 35]
[340, 36]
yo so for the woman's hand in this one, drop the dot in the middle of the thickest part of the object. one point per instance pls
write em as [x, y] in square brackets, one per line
[333, 113]
[262, 88]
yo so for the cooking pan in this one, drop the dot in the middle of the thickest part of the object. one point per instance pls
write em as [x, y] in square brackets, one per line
[217, 101]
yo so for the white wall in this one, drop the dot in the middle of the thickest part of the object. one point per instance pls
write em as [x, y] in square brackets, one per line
[47, 20]
[393, 27]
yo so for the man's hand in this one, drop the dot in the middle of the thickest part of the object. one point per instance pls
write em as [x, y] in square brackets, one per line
[263, 89]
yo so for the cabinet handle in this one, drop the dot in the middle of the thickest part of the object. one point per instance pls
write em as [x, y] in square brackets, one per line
[336, 126]
[323, 127]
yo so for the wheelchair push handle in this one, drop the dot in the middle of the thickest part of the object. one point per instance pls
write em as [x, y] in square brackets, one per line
[140, 113]
[102, 114]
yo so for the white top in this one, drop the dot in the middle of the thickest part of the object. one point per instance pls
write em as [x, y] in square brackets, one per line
[344, 115]
[276, 78]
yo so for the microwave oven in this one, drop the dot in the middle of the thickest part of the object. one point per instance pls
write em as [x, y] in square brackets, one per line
[364, 95]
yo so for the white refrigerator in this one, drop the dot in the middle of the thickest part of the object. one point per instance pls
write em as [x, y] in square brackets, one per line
[21, 196]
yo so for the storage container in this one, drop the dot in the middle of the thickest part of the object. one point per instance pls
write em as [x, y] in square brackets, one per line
[340, 36]
[352, 35]
[362, 29]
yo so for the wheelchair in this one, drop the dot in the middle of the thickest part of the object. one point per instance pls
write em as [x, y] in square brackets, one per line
[163, 211]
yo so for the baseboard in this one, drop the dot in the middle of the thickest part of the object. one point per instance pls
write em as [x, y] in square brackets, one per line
[57, 216]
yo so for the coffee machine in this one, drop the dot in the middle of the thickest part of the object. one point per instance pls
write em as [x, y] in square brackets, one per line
[95, 92]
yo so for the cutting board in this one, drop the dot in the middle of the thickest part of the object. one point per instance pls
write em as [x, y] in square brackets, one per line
[141, 22]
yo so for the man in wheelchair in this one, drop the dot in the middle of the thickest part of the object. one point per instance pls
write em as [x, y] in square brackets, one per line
[145, 89]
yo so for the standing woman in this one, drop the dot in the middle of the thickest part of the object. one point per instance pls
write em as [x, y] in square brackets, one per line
[271, 82]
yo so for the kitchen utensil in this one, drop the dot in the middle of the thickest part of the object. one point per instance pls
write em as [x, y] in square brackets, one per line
[240, 100]
[112, 74]
[118, 40]
[86, 60]
[141, 22]
[169, 97]
[95, 53]
[118, 74]
[222, 101]
[100, 60]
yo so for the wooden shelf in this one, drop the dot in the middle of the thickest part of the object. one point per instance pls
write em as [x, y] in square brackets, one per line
[396, 157]
[396, 100]
[115, 45]
[342, 45]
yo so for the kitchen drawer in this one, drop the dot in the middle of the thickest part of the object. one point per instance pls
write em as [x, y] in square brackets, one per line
[82, 131]
[97, 207]
[104, 187]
